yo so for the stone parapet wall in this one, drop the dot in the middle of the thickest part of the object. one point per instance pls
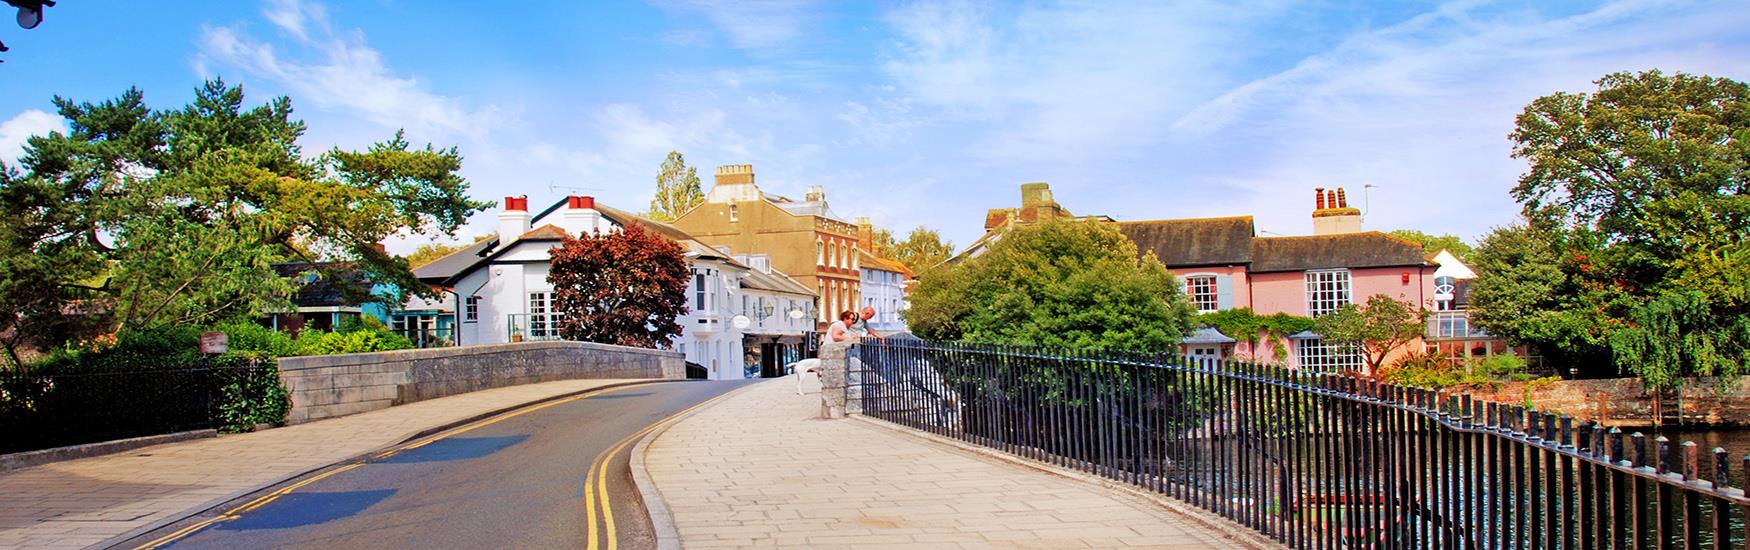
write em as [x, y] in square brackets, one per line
[1625, 402]
[327, 386]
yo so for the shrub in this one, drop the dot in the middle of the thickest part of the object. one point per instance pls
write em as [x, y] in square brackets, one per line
[1501, 366]
[252, 338]
[248, 396]
[357, 341]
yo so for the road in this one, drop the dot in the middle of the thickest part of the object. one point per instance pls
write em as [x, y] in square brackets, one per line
[546, 476]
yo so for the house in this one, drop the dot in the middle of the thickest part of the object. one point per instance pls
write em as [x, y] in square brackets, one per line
[328, 296]
[804, 239]
[1224, 264]
[780, 316]
[1450, 333]
[501, 294]
[1037, 205]
[884, 283]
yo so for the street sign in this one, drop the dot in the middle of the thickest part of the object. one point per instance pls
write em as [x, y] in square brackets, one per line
[214, 343]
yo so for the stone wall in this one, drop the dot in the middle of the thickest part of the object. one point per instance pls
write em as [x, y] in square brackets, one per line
[1624, 402]
[327, 386]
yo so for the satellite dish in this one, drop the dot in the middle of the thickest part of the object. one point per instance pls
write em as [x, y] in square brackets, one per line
[740, 322]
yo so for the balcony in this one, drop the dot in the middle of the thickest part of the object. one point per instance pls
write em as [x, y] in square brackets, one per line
[1453, 325]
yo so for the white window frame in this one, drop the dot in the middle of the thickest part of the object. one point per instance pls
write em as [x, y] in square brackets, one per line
[1316, 355]
[541, 312]
[1211, 301]
[1328, 290]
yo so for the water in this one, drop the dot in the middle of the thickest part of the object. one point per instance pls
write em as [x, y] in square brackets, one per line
[1736, 442]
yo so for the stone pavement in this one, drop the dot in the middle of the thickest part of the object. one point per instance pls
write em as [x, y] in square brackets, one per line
[80, 503]
[760, 470]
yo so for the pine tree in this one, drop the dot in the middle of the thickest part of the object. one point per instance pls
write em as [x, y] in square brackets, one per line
[677, 189]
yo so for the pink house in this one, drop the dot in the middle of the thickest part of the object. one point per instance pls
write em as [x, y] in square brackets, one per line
[1224, 264]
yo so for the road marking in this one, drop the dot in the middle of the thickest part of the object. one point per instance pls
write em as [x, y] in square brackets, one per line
[598, 474]
[263, 500]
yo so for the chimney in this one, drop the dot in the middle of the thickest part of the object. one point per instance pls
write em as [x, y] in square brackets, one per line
[815, 193]
[580, 216]
[514, 220]
[1333, 215]
[1036, 194]
[866, 234]
[735, 174]
[1319, 198]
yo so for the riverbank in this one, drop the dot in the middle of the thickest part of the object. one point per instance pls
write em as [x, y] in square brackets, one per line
[1625, 402]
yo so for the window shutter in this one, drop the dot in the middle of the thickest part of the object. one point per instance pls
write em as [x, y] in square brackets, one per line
[1224, 292]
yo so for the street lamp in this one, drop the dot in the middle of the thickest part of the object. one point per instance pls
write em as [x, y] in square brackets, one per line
[30, 14]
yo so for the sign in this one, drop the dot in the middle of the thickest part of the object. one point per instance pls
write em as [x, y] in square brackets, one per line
[740, 322]
[214, 343]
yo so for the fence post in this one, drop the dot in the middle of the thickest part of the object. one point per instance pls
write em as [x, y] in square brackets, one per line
[834, 364]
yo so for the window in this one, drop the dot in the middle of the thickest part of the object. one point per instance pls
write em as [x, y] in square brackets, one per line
[1453, 324]
[819, 253]
[1443, 290]
[732, 216]
[1326, 291]
[854, 253]
[541, 318]
[471, 309]
[698, 291]
[1201, 290]
[1322, 357]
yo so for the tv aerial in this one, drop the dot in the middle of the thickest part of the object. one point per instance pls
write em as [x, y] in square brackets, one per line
[568, 189]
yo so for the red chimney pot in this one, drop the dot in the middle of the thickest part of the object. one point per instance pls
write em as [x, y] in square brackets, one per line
[520, 204]
[1342, 198]
[1319, 196]
[576, 202]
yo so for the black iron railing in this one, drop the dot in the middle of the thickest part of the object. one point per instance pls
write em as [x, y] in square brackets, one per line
[1312, 460]
[39, 411]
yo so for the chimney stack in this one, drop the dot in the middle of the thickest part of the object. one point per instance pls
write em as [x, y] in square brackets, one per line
[580, 216]
[1333, 215]
[1319, 198]
[514, 220]
[815, 193]
[866, 234]
[732, 174]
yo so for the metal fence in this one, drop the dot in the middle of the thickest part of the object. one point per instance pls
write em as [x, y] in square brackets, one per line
[1311, 460]
[39, 411]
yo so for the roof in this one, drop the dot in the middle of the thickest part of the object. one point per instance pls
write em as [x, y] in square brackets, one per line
[454, 262]
[775, 281]
[691, 245]
[869, 260]
[324, 291]
[1207, 335]
[1195, 241]
[1347, 250]
[807, 208]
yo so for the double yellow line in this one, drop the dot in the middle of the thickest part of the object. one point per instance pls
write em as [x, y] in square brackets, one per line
[263, 500]
[596, 486]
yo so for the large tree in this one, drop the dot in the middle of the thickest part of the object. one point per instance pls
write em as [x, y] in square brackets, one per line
[1068, 284]
[677, 189]
[921, 250]
[430, 252]
[1433, 244]
[174, 217]
[1637, 206]
[623, 287]
[1375, 328]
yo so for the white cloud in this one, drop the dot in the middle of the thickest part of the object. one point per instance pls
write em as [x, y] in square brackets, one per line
[754, 24]
[20, 127]
[339, 70]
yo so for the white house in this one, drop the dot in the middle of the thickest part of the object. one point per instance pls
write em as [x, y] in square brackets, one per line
[884, 289]
[780, 314]
[502, 294]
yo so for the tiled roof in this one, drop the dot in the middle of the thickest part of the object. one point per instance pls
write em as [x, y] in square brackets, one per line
[454, 262]
[1206, 335]
[1347, 250]
[870, 260]
[776, 281]
[1194, 242]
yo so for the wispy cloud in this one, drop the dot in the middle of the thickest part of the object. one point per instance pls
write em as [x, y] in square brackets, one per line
[755, 24]
[16, 130]
[336, 69]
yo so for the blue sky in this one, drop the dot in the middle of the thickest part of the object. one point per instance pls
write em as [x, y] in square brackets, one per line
[913, 114]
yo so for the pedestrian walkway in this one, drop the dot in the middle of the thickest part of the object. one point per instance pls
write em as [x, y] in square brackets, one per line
[79, 503]
[759, 470]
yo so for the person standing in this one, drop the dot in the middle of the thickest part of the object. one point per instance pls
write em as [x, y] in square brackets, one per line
[840, 331]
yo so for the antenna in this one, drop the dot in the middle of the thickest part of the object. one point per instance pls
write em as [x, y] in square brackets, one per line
[569, 189]
[1366, 200]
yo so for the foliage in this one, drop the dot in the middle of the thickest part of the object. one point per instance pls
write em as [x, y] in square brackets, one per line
[881, 242]
[174, 217]
[1634, 250]
[249, 393]
[252, 338]
[1427, 370]
[677, 189]
[1433, 244]
[1377, 327]
[315, 342]
[921, 250]
[623, 287]
[1065, 284]
[1244, 324]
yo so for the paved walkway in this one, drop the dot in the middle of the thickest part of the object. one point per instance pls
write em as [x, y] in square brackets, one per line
[79, 503]
[759, 470]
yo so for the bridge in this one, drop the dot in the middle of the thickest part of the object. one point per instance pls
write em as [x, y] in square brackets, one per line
[906, 443]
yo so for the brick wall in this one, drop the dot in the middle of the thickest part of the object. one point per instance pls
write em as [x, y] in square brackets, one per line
[336, 385]
[1624, 402]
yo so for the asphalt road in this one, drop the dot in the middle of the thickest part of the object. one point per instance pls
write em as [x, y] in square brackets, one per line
[519, 480]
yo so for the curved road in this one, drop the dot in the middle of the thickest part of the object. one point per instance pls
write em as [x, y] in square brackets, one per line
[545, 476]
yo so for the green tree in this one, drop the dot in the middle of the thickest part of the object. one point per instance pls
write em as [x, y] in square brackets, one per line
[882, 243]
[1066, 284]
[622, 287]
[174, 217]
[921, 250]
[1375, 328]
[677, 189]
[430, 252]
[1637, 202]
[1433, 244]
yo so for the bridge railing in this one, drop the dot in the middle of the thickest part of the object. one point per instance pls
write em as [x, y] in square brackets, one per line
[1315, 460]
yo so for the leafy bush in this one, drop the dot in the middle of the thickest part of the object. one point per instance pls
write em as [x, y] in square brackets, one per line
[1501, 366]
[163, 348]
[252, 338]
[358, 341]
[248, 396]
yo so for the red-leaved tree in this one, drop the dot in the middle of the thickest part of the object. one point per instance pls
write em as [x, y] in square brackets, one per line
[623, 287]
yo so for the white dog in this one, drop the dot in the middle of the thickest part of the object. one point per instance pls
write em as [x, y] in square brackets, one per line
[804, 367]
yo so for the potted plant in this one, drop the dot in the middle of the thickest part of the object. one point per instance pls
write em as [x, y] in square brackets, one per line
[516, 334]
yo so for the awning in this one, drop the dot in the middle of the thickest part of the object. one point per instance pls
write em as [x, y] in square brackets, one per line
[1207, 335]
